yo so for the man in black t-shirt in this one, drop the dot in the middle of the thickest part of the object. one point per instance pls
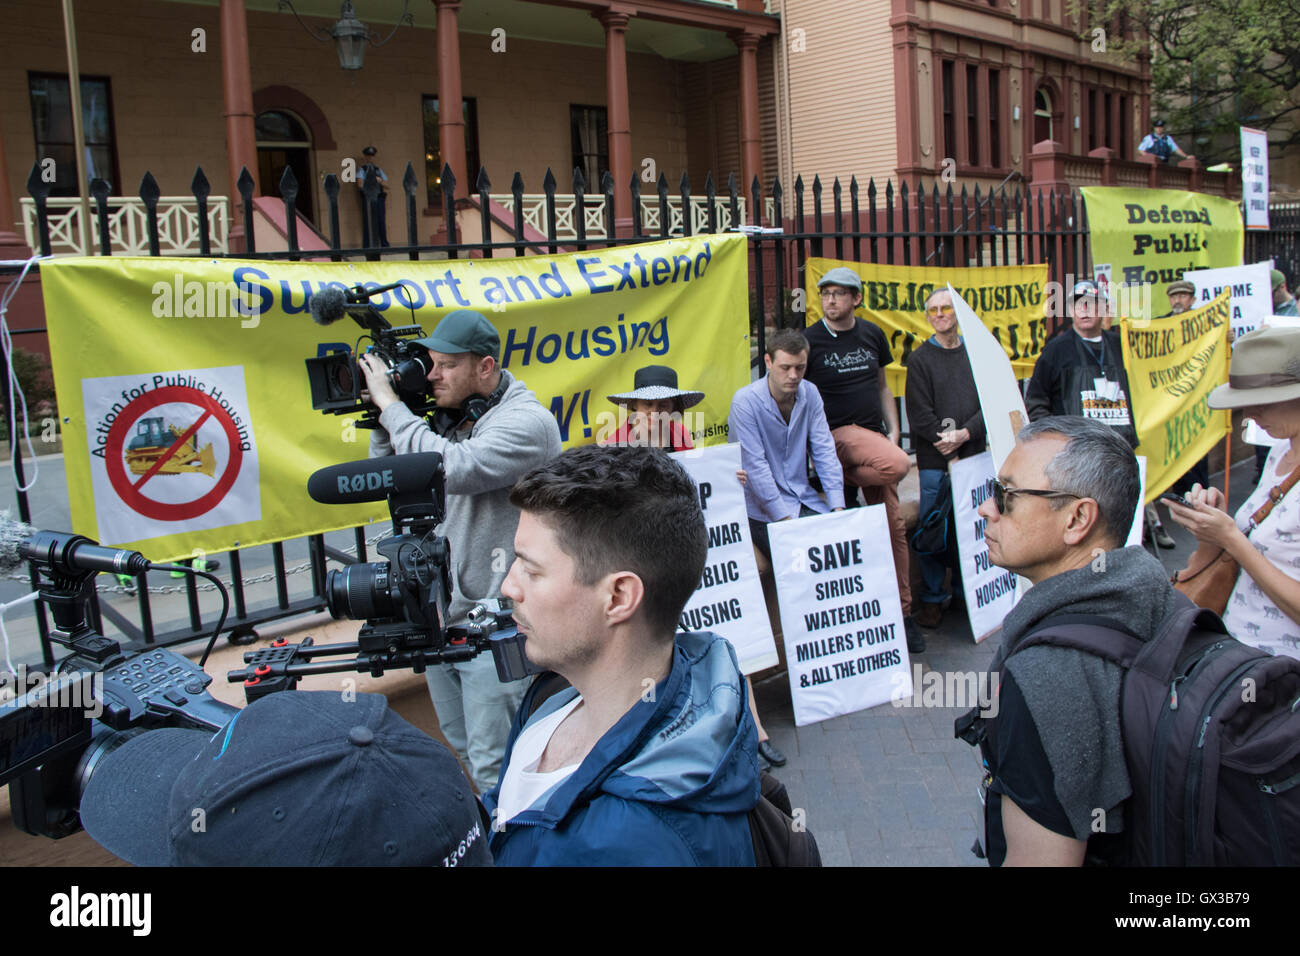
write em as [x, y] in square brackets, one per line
[846, 362]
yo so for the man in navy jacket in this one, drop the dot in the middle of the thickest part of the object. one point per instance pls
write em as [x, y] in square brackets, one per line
[648, 757]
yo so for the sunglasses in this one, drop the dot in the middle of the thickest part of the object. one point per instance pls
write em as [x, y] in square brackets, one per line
[940, 310]
[1001, 493]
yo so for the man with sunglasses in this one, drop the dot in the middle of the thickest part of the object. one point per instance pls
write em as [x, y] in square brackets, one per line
[943, 409]
[1059, 514]
[846, 362]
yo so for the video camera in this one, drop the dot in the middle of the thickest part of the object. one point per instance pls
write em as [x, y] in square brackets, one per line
[54, 736]
[336, 381]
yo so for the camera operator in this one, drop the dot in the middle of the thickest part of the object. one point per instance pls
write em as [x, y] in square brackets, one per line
[297, 778]
[490, 430]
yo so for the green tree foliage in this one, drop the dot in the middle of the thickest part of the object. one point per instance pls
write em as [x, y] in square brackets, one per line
[1216, 65]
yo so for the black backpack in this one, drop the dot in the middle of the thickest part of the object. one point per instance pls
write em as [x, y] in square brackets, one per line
[1211, 732]
[779, 840]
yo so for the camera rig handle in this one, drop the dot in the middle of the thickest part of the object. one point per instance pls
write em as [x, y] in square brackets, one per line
[282, 665]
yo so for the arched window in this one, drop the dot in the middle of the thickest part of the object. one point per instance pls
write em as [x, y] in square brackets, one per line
[1043, 128]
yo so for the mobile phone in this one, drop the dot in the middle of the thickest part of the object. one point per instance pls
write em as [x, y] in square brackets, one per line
[1176, 499]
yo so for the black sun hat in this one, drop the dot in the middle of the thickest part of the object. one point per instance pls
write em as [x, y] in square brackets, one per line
[655, 382]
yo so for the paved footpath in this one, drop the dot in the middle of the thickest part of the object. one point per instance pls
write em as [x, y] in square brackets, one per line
[891, 786]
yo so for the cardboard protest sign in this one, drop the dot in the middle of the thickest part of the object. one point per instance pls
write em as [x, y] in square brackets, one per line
[1254, 176]
[990, 591]
[1250, 288]
[1000, 398]
[729, 598]
[841, 617]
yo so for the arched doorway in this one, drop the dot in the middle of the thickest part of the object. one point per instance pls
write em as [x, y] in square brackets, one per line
[1043, 126]
[284, 140]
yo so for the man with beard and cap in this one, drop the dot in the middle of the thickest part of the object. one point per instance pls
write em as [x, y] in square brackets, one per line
[846, 362]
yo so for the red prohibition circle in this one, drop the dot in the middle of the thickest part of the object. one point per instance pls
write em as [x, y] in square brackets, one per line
[135, 499]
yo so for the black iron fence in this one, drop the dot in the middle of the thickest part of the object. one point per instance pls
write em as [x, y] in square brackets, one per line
[912, 225]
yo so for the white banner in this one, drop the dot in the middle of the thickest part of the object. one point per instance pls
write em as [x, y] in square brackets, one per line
[990, 591]
[995, 382]
[1251, 288]
[729, 599]
[1254, 176]
[840, 615]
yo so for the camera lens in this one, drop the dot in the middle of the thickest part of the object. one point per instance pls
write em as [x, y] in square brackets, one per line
[411, 375]
[359, 592]
[344, 378]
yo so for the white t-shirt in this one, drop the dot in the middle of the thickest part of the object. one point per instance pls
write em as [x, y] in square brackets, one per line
[522, 784]
[1250, 616]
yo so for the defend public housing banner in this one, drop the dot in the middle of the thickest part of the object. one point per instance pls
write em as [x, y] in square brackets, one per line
[187, 413]
[1173, 363]
[1152, 236]
[1009, 300]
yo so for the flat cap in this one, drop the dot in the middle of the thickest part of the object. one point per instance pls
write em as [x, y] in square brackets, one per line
[841, 276]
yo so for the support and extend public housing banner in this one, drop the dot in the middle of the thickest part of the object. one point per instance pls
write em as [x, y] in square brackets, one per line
[1173, 363]
[1009, 300]
[187, 414]
[1150, 237]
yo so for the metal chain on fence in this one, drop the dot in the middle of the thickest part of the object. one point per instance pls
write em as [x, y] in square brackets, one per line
[181, 588]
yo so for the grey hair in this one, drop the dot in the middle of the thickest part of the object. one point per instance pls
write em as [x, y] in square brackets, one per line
[1095, 463]
[933, 292]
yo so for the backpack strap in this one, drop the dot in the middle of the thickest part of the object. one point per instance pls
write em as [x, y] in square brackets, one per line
[545, 687]
[1091, 633]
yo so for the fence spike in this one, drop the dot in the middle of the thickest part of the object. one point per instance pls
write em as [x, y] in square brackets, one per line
[149, 190]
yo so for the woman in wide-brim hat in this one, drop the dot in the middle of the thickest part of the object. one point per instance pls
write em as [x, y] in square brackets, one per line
[1264, 607]
[651, 406]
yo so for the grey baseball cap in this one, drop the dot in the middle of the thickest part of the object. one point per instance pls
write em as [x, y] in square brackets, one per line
[841, 276]
[464, 330]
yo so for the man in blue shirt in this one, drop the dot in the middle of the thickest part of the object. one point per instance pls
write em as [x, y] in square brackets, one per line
[778, 421]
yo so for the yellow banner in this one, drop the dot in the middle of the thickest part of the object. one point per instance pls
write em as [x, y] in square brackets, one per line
[1008, 298]
[1142, 237]
[1173, 363]
[187, 413]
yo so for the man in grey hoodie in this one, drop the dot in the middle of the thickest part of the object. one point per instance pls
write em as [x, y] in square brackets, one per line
[491, 430]
[1059, 515]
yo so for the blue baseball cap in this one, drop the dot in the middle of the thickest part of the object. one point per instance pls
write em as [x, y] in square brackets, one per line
[297, 778]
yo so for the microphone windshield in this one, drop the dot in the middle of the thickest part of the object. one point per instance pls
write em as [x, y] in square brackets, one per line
[327, 305]
[12, 534]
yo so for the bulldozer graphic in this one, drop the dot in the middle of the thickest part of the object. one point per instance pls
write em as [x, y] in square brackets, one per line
[151, 441]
